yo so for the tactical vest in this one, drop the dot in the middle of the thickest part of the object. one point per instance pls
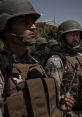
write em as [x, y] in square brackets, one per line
[76, 88]
[29, 93]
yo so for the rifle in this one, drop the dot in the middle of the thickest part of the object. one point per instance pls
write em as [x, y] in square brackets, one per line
[73, 78]
[69, 113]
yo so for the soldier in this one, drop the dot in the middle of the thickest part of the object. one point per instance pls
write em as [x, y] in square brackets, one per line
[69, 35]
[41, 50]
[25, 89]
[53, 45]
[55, 59]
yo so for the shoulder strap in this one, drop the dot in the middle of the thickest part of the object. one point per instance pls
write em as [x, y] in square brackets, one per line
[6, 63]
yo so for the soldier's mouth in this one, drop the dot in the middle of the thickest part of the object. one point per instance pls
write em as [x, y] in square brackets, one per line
[75, 43]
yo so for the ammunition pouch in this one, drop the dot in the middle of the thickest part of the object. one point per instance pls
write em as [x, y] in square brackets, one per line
[36, 98]
[28, 92]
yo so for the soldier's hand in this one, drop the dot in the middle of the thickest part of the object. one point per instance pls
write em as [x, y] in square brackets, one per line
[68, 102]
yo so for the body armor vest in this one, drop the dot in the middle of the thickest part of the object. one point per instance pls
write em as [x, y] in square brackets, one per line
[28, 92]
[76, 87]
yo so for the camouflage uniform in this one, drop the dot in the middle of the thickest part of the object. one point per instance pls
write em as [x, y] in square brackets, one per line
[55, 69]
[68, 53]
[54, 65]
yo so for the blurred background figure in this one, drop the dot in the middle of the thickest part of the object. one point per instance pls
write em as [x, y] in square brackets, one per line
[41, 50]
[54, 46]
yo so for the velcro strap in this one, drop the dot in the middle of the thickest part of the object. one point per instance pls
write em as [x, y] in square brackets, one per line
[38, 98]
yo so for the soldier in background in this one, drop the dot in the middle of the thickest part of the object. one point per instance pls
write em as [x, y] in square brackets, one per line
[54, 59]
[25, 88]
[69, 35]
[41, 50]
[54, 47]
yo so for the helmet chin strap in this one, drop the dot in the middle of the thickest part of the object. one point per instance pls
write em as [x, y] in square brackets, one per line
[24, 41]
[76, 48]
[19, 38]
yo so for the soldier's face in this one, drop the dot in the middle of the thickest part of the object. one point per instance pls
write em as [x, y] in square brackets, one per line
[24, 27]
[72, 38]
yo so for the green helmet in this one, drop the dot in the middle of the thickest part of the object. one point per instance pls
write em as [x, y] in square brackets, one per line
[41, 41]
[13, 8]
[52, 42]
[68, 26]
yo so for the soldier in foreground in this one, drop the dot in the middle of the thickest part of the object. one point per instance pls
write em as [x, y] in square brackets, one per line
[26, 90]
[69, 75]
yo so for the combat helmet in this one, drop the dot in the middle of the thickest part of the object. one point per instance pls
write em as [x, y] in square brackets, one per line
[14, 8]
[68, 26]
[41, 41]
[52, 42]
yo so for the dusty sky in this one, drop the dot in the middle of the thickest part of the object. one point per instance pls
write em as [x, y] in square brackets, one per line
[59, 10]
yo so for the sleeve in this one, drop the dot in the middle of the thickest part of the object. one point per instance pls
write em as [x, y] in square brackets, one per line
[55, 68]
